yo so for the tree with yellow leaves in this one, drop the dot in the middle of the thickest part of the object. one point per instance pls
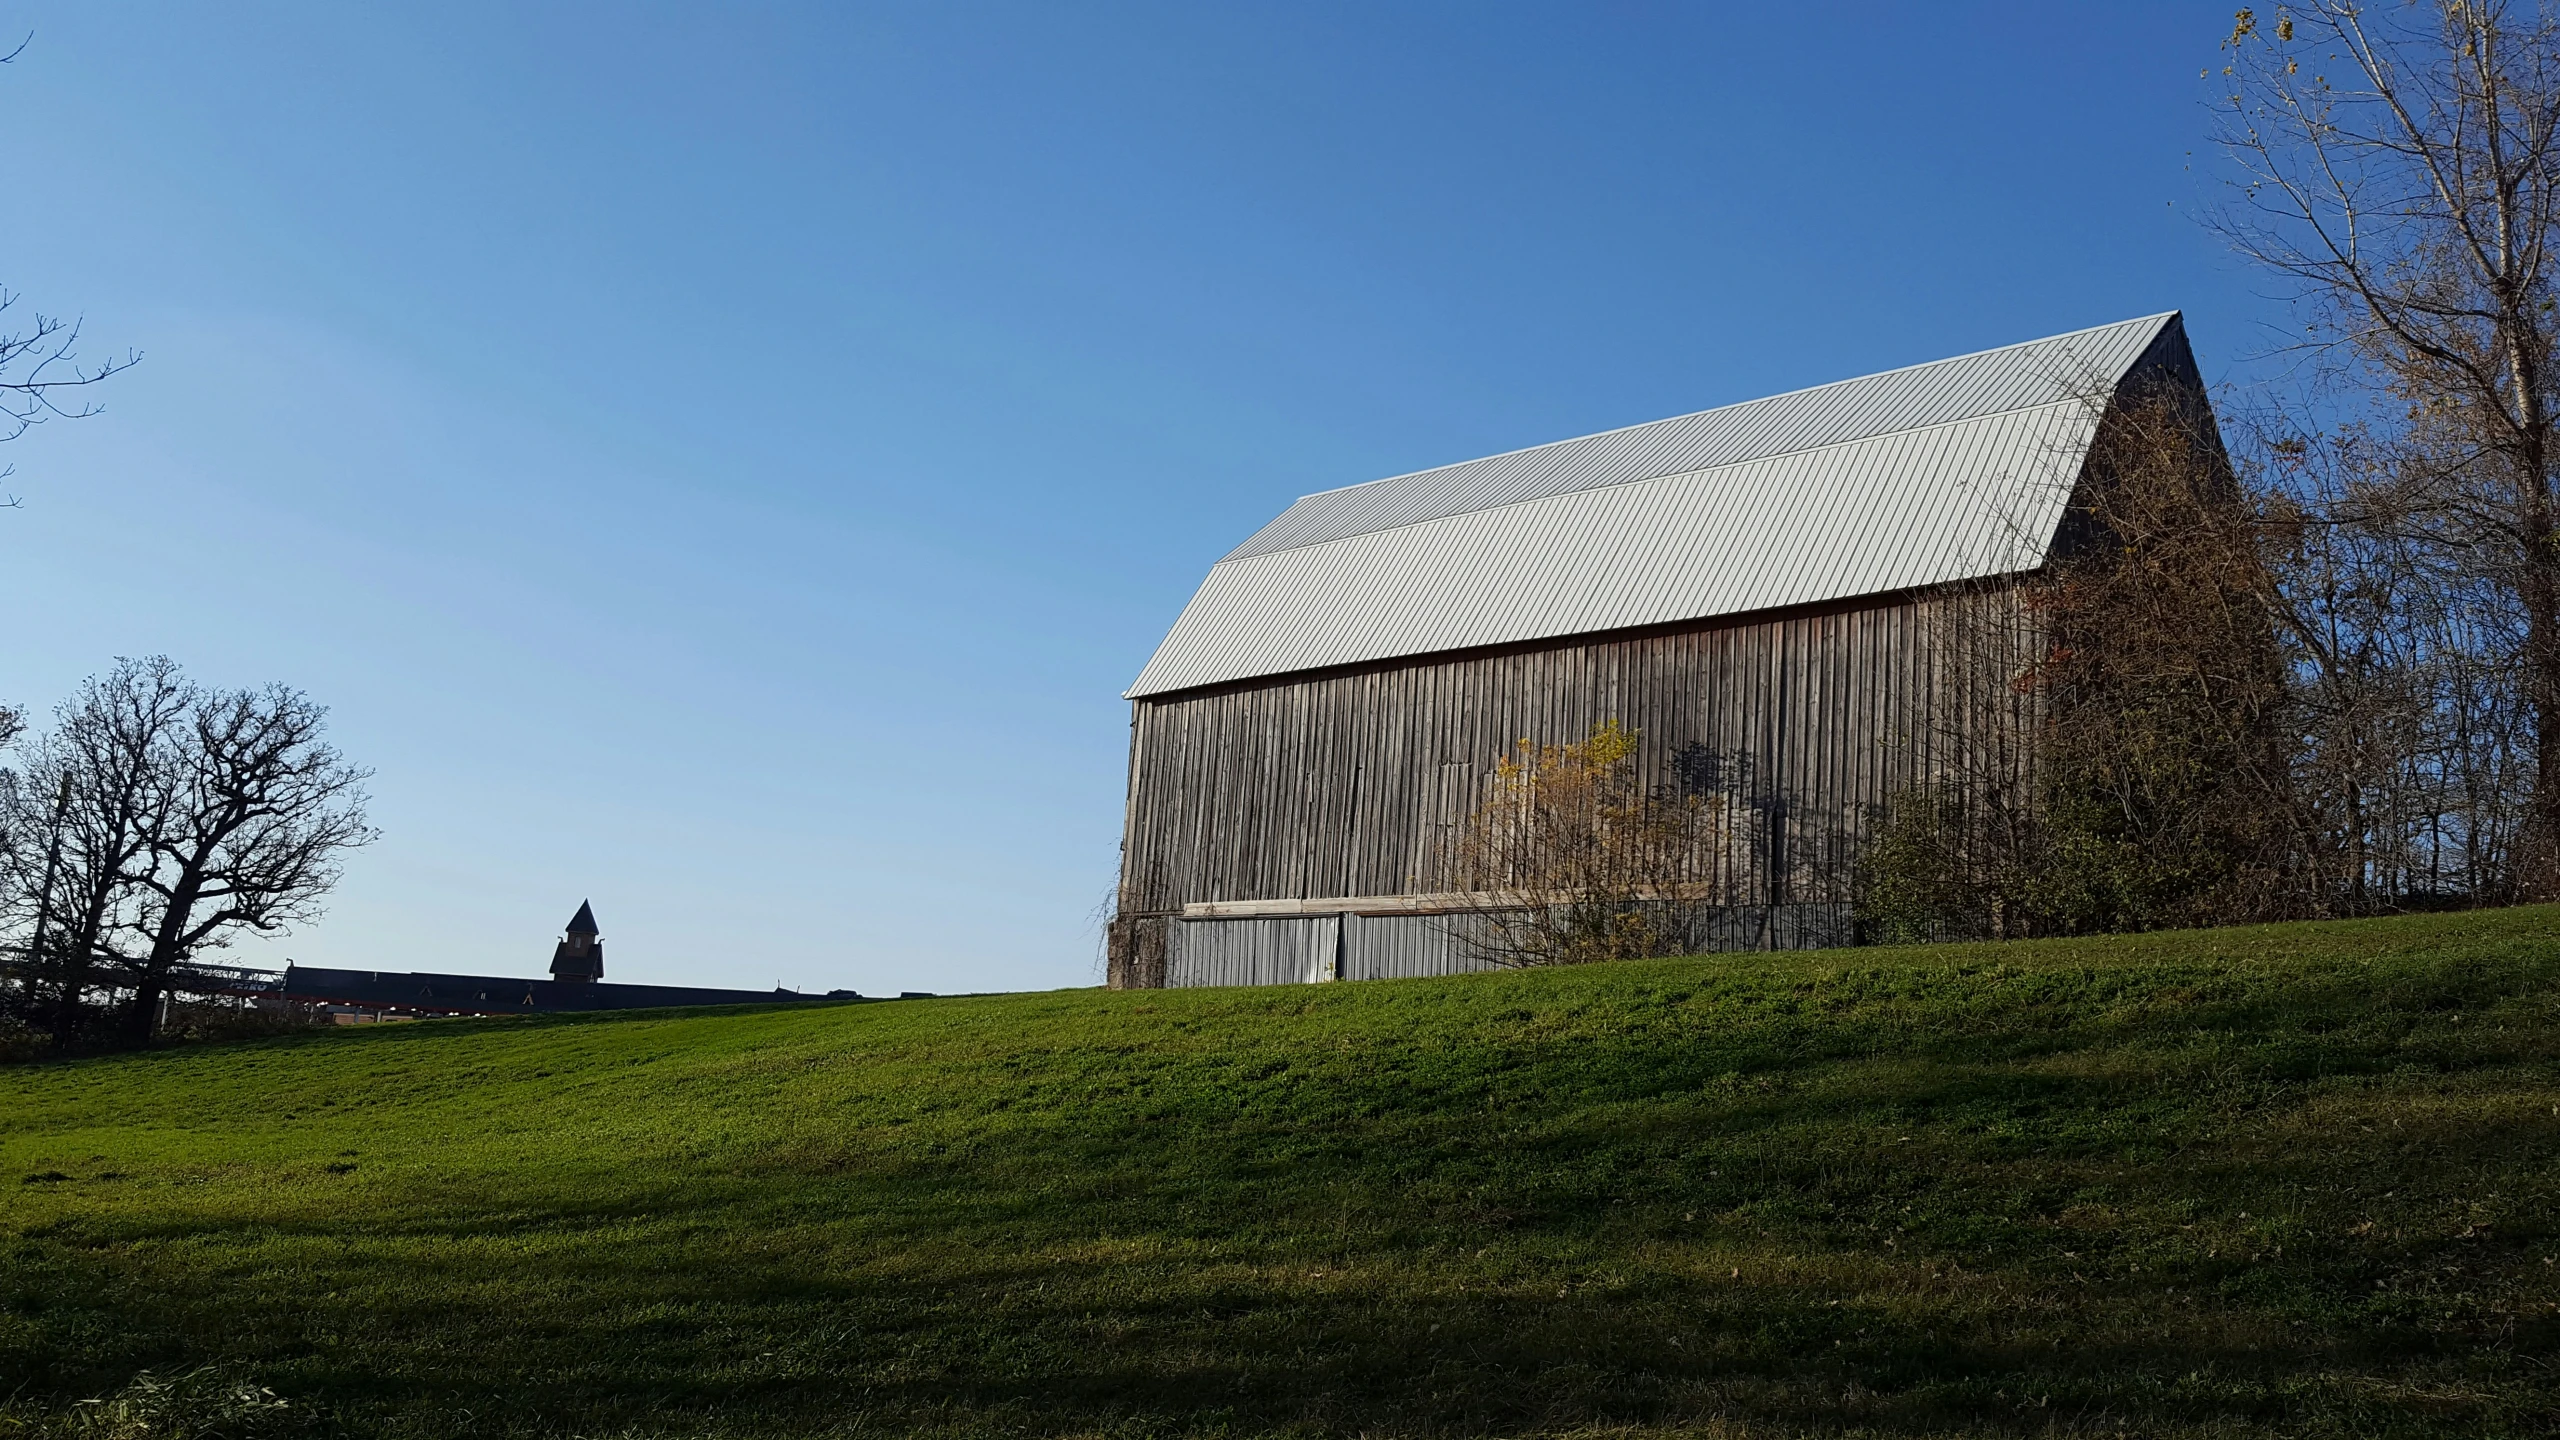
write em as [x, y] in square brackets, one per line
[1574, 859]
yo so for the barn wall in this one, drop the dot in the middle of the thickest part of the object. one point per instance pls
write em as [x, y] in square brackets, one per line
[1347, 784]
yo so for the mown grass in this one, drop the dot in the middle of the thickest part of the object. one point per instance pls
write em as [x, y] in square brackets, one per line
[2285, 1181]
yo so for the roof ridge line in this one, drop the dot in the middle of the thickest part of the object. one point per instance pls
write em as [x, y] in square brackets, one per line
[1737, 404]
[1234, 559]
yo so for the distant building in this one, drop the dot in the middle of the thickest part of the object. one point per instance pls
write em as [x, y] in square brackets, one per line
[580, 958]
[1761, 592]
[403, 994]
[576, 985]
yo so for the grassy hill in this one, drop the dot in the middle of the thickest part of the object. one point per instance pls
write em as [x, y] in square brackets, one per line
[2299, 1180]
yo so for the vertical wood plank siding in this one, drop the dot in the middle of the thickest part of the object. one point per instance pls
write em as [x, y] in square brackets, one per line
[1341, 784]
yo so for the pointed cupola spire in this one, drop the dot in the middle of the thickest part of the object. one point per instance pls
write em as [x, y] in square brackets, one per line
[580, 958]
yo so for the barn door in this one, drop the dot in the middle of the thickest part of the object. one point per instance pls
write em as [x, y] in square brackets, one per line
[1282, 950]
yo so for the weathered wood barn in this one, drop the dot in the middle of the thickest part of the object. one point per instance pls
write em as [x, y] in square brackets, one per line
[1749, 588]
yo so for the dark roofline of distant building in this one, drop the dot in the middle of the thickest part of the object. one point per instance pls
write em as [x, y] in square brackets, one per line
[436, 994]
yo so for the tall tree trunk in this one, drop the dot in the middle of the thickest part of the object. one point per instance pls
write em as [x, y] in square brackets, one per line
[168, 948]
[2538, 876]
[2538, 588]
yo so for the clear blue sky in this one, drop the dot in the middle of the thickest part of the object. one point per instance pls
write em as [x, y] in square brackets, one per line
[726, 461]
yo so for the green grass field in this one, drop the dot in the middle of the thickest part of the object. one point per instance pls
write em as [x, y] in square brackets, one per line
[2300, 1180]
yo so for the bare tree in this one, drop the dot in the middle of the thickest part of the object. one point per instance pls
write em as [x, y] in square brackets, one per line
[2105, 745]
[2414, 763]
[2400, 168]
[41, 374]
[83, 813]
[156, 820]
[2166, 696]
[247, 822]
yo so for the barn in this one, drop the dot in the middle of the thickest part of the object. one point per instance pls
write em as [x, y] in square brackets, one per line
[1754, 590]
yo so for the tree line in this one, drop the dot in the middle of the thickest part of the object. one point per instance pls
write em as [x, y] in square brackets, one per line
[154, 821]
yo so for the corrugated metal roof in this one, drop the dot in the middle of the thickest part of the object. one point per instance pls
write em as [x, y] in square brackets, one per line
[1952, 470]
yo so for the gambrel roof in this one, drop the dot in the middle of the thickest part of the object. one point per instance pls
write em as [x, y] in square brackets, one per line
[1954, 470]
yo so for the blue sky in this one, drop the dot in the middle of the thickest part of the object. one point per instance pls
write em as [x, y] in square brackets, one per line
[726, 462]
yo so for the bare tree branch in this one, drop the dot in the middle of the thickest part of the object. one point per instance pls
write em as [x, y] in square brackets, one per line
[2410, 202]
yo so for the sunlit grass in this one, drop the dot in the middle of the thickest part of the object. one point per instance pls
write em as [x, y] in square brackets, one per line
[2294, 1180]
